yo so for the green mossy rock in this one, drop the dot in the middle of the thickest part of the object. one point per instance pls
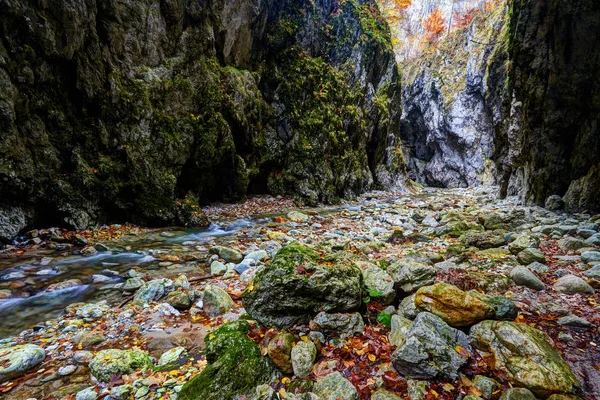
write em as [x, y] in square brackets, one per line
[235, 367]
[280, 350]
[525, 355]
[107, 363]
[299, 283]
[334, 386]
[17, 360]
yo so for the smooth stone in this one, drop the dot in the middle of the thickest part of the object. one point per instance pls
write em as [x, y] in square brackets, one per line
[66, 370]
[216, 301]
[86, 394]
[538, 268]
[17, 360]
[171, 356]
[573, 320]
[571, 284]
[524, 277]
[590, 256]
[530, 255]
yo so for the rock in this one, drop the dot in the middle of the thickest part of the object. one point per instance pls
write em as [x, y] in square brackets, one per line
[17, 360]
[407, 307]
[12, 221]
[216, 301]
[538, 268]
[485, 385]
[554, 203]
[410, 274]
[303, 357]
[89, 338]
[522, 242]
[172, 356]
[121, 392]
[524, 355]
[89, 251]
[179, 300]
[83, 357]
[590, 256]
[107, 363]
[455, 307]
[379, 284]
[181, 282]
[524, 277]
[64, 285]
[417, 390]
[517, 394]
[258, 255]
[235, 365]
[571, 284]
[484, 239]
[92, 311]
[296, 216]
[431, 349]
[295, 286]
[382, 394]
[571, 244]
[280, 350]
[226, 253]
[132, 284]
[263, 392]
[400, 327]
[505, 309]
[593, 240]
[345, 325]
[154, 290]
[87, 394]
[528, 256]
[334, 387]
[593, 272]
[573, 320]
[217, 268]
[67, 370]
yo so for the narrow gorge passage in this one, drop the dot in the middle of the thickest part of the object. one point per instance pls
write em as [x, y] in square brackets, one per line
[300, 200]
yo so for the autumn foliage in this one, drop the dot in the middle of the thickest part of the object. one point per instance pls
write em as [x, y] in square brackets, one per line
[434, 25]
[463, 20]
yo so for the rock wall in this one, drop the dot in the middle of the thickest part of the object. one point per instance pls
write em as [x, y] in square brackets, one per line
[139, 110]
[551, 141]
[449, 106]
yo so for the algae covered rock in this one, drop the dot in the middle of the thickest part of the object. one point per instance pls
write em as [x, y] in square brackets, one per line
[379, 284]
[17, 360]
[334, 386]
[154, 290]
[303, 357]
[431, 349]
[235, 367]
[524, 355]
[107, 363]
[280, 350]
[454, 306]
[227, 253]
[216, 301]
[298, 284]
[517, 394]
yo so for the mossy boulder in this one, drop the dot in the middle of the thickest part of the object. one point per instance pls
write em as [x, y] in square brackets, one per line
[454, 306]
[410, 274]
[524, 355]
[484, 239]
[299, 283]
[280, 350]
[235, 366]
[17, 360]
[107, 363]
[216, 301]
[379, 285]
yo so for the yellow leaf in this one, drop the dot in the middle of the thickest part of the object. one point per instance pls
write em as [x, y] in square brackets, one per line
[433, 392]
[304, 338]
[372, 357]
[285, 380]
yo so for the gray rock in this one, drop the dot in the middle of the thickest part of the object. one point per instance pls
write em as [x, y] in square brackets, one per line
[400, 327]
[12, 221]
[86, 394]
[417, 390]
[121, 392]
[226, 253]
[571, 243]
[593, 272]
[571, 284]
[92, 311]
[586, 233]
[258, 255]
[531, 255]
[216, 301]
[17, 360]
[379, 284]
[485, 385]
[590, 256]
[345, 325]
[407, 307]
[132, 284]
[171, 356]
[217, 268]
[524, 277]
[154, 290]
[429, 349]
[410, 274]
[303, 357]
[573, 320]
[593, 240]
[554, 203]
[538, 268]
[334, 387]
[522, 242]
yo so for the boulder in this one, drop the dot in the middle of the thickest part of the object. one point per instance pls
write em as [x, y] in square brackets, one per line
[522, 276]
[590, 256]
[571, 243]
[531, 255]
[400, 327]
[554, 203]
[379, 284]
[334, 386]
[524, 355]
[431, 349]
[303, 357]
[454, 306]
[517, 394]
[107, 363]
[227, 254]
[484, 239]
[505, 309]
[216, 301]
[571, 284]
[17, 360]
[280, 350]
[179, 300]
[154, 290]
[299, 283]
[407, 307]
[345, 325]
[235, 365]
[409, 274]
[522, 242]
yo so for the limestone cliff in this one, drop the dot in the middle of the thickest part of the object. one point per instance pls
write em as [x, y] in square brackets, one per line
[137, 110]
